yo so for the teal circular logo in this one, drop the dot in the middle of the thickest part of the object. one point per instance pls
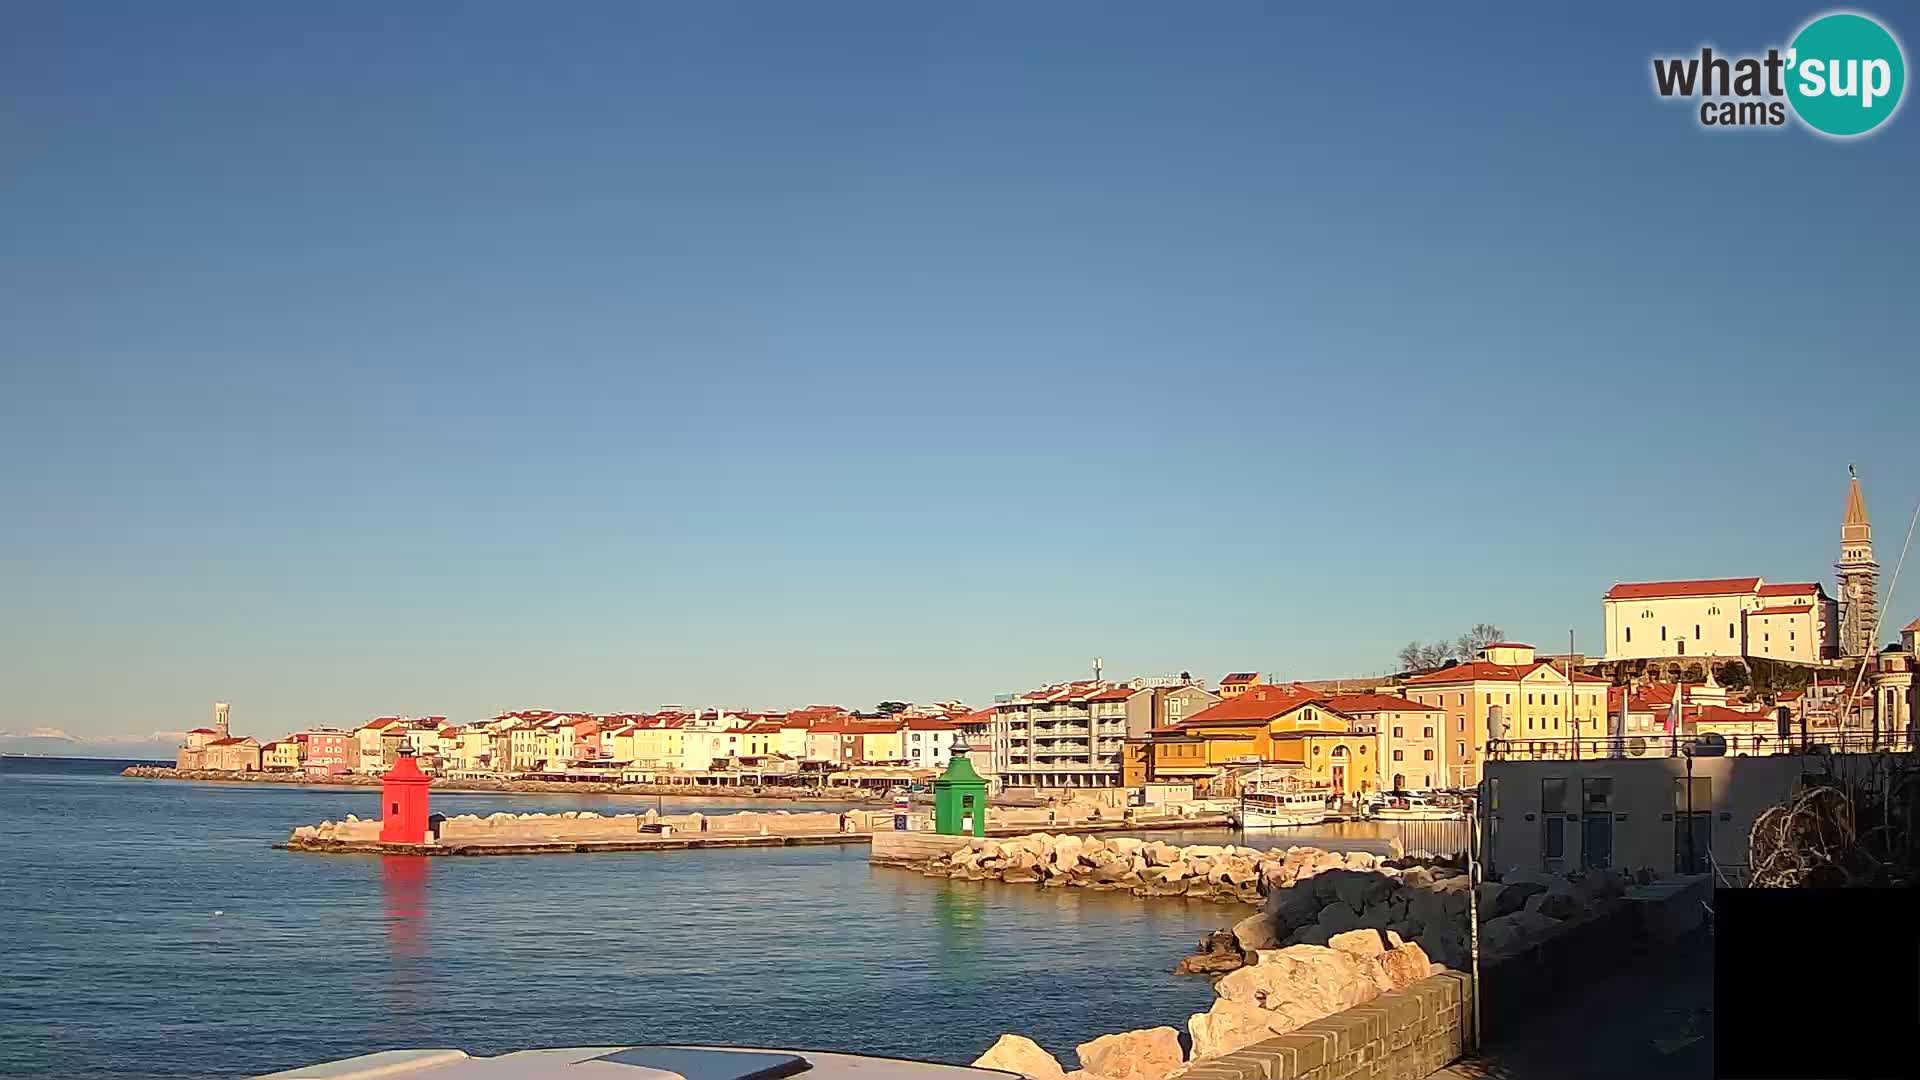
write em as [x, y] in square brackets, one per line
[1845, 74]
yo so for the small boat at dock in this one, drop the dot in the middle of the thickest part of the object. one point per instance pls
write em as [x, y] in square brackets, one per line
[1270, 808]
[1411, 806]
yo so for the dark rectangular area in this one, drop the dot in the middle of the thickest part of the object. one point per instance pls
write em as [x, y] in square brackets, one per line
[699, 1063]
[1815, 983]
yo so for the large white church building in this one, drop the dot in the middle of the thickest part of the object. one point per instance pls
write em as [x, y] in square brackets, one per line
[1736, 618]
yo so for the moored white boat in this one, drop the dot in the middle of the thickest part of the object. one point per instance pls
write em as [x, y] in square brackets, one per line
[1276, 809]
[1418, 808]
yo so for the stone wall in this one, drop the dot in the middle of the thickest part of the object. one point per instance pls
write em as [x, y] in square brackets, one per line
[1221, 872]
[913, 850]
[586, 825]
[1400, 1035]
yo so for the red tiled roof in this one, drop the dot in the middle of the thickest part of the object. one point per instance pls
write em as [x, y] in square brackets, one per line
[1509, 645]
[930, 723]
[203, 731]
[1360, 703]
[1716, 714]
[1239, 677]
[1789, 609]
[1118, 693]
[1800, 589]
[1257, 705]
[980, 716]
[1912, 627]
[230, 742]
[1488, 671]
[1655, 590]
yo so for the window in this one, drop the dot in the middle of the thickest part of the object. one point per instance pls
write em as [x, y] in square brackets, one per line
[916, 736]
[1663, 633]
[1509, 699]
[1553, 820]
[1629, 633]
[1399, 755]
[1696, 631]
[1460, 750]
[1459, 723]
[1462, 701]
[1428, 755]
[1529, 699]
[1399, 732]
[1596, 822]
[1729, 630]
[1428, 733]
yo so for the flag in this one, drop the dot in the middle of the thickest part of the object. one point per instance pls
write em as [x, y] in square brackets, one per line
[1673, 711]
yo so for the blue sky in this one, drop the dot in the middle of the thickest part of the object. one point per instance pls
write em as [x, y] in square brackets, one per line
[440, 358]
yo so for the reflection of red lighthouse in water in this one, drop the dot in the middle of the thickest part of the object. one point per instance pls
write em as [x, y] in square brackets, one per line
[403, 880]
[403, 803]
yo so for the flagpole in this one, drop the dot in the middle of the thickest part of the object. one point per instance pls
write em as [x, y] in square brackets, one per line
[1573, 722]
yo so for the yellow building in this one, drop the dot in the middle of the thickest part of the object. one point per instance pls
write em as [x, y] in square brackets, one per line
[1232, 686]
[476, 749]
[1290, 727]
[523, 747]
[660, 743]
[1407, 737]
[282, 756]
[555, 743]
[1532, 702]
[1135, 755]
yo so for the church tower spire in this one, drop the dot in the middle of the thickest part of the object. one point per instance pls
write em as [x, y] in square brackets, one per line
[1859, 575]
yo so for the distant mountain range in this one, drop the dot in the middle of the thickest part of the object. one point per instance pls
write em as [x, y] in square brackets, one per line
[154, 746]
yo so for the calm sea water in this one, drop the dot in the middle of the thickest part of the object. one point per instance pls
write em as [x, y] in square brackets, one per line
[151, 931]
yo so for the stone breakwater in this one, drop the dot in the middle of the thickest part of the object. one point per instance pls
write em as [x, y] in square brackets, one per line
[1222, 873]
[512, 787]
[1335, 932]
[495, 832]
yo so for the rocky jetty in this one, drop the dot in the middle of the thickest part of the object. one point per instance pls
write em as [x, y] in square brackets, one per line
[1333, 931]
[1222, 873]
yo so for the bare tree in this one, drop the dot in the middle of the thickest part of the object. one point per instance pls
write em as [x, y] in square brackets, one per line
[1481, 635]
[1427, 655]
[1424, 655]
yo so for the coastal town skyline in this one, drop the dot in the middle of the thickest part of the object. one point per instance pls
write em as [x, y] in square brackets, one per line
[893, 361]
[158, 740]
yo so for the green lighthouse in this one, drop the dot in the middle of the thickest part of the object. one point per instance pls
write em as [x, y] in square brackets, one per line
[960, 796]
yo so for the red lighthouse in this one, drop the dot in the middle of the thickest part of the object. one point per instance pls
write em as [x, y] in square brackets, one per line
[403, 803]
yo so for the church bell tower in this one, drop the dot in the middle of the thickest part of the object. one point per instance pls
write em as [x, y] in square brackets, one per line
[1859, 576]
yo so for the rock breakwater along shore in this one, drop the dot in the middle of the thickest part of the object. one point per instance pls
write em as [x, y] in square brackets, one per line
[1334, 931]
[509, 787]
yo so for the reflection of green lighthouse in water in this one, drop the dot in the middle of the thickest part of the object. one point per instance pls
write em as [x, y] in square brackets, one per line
[960, 796]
